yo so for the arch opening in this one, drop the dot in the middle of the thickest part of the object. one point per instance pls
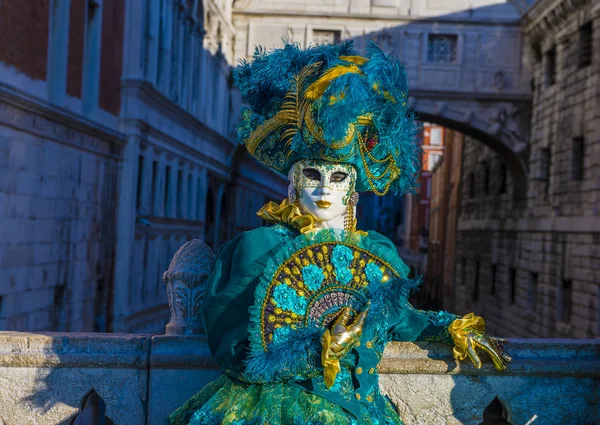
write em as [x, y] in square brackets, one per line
[515, 163]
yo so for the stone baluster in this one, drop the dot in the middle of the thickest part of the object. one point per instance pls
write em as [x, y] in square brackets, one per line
[188, 270]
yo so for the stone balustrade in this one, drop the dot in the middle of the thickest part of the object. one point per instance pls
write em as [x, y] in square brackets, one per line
[45, 378]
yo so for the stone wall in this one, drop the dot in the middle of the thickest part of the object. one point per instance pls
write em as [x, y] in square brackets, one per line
[532, 268]
[139, 379]
[58, 179]
[529, 277]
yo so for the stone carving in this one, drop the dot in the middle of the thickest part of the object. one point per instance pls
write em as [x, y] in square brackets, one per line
[188, 270]
[505, 123]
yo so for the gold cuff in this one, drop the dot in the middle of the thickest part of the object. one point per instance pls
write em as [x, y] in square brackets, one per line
[457, 330]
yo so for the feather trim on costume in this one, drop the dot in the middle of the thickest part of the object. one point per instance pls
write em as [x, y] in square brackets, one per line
[297, 353]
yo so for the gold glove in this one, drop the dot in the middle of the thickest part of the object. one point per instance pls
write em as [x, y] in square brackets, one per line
[468, 334]
[338, 340]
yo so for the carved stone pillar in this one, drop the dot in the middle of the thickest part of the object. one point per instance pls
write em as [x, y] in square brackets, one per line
[188, 270]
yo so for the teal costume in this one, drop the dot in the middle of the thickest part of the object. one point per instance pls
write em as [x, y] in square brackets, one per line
[284, 385]
[276, 294]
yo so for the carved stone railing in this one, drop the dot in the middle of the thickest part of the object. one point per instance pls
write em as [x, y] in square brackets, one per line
[127, 379]
[187, 272]
[140, 379]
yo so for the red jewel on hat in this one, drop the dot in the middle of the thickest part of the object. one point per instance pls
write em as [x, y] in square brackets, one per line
[371, 143]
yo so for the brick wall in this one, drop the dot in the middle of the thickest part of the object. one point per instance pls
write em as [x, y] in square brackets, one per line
[24, 35]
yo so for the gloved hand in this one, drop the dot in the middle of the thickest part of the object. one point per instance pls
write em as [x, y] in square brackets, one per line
[338, 341]
[468, 334]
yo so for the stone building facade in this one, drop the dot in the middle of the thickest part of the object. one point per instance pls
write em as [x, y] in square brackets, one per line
[532, 268]
[113, 154]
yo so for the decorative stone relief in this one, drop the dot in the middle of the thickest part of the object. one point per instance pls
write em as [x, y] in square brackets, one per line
[188, 270]
[506, 122]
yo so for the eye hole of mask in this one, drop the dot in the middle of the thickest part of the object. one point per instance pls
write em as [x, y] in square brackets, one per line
[338, 177]
[312, 174]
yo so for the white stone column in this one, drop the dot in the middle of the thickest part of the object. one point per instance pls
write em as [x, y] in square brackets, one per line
[224, 97]
[155, 273]
[203, 193]
[135, 38]
[171, 188]
[207, 87]
[146, 181]
[194, 74]
[165, 47]
[58, 51]
[90, 90]
[186, 59]
[183, 196]
[158, 209]
[220, 190]
[200, 90]
[193, 201]
[180, 60]
[125, 228]
[153, 36]
[137, 264]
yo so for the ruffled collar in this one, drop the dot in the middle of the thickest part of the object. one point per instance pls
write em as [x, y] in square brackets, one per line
[287, 213]
[291, 215]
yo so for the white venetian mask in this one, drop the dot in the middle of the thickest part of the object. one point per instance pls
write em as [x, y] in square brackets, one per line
[323, 189]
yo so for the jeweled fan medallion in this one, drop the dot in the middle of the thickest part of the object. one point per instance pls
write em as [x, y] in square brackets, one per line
[314, 284]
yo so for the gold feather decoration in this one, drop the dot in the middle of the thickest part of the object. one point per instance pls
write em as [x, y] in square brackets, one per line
[316, 89]
[295, 103]
[358, 60]
[289, 116]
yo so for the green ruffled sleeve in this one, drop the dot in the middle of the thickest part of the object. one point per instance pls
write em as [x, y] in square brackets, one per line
[230, 293]
[407, 323]
[419, 325]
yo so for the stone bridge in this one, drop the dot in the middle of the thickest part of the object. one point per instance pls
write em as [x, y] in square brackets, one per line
[464, 59]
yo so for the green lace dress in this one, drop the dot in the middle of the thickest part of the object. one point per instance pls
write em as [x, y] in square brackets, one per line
[270, 296]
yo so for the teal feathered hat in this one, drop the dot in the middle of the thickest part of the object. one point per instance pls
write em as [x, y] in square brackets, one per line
[329, 103]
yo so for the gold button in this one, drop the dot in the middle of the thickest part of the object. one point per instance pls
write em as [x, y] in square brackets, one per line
[371, 371]
[357, 344]
[369, 344]
[357, 396]
[369, 398]
[358, 370]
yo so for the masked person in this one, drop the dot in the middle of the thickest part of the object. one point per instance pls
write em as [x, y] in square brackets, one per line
[297, 314]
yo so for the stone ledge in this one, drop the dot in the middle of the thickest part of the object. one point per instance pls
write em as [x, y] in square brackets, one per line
[547, 357]
[81, 350]
[536, 357]
[143, 378]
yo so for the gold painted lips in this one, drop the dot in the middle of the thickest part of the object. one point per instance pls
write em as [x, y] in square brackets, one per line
[323, 204]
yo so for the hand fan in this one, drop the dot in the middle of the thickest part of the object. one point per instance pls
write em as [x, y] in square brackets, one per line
[313, 284]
